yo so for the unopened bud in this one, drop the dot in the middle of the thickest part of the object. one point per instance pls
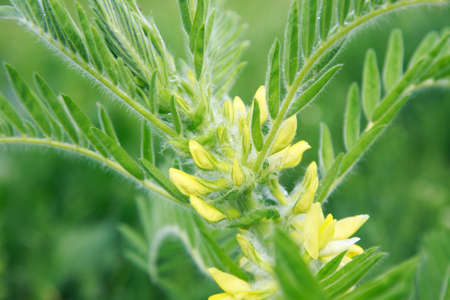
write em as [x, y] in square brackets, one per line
[260, 96]
[202, 158]
[244, 132]
[239, 108]
[206, 210]
[309, 186]
[285, 135]
[250, 252]
[237, 174]
[227, 110]
[188, 184]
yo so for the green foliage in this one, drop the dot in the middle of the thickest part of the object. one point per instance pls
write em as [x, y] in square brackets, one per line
[178, 100]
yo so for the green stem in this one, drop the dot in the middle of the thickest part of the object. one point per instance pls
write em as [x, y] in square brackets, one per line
[309, 63]
[93, 155]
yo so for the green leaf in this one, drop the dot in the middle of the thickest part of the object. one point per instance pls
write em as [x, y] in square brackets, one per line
[88, 36]
[309, 17]
[83, 123]
[10, 113]
[393, 64]
[105, 54]
[69, 28]
[371, 88]
[162, 180]
[134, 239]
[326, 15]
[175, 116]
[359, 149]
[291, 43]
[31, 102]
[392, 112]
[57, 108]
[147, 148]
[8, 12]
[327, 182]
[185, 14]
[293, 275]
[256, 127]
[119, 154]
[106, 123]
[325, 60]
[308, 96]
[343, 9]
[359, 6]
[394, 284]
[273, 81]
[424, 47]
[352, 119]
[199, 50]
[397, 91]
[347, 276]
[197, 23]
[326, 152]
[330, 267]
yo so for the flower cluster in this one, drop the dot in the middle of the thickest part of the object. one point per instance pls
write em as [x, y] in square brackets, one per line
[228, 166]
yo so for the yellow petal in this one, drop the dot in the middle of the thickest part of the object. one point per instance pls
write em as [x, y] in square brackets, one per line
[260, 96]
[309, 186]
[202, 158]
[326, 231]
[294, 154]
[313, 220]
[237, 174]
[239, 108]
[187, 184]
[222, 296]
[227, 110]
[206, 210]
[354, 250]
[285, 135]
[229, 283]
[345, 228]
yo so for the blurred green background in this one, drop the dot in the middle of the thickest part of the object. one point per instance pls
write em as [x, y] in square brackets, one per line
[59, 213]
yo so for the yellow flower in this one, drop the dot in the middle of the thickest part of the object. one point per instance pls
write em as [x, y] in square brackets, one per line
[188, 184]
[324, 238]
[206, 210]
[202, 158]
[285, 135]
[236, 288]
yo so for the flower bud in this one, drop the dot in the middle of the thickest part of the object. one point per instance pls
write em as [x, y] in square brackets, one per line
[237, 174]
[188, 184]
[250, 252]
[285, 135]
[229, 283]
[244, 132]
[224, 141]
[354, 250]
[206, 210]
[202, 158]
[260, 96]
[239, 108]
[294, 154]
[227, 111]
[309, 186]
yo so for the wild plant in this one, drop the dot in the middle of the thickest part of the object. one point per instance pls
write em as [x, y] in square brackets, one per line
[211, 162]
